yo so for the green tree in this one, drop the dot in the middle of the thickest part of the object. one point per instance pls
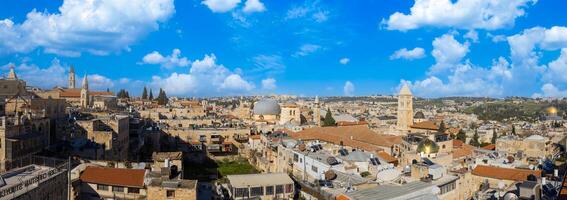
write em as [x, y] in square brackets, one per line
[145, 93]
[162, 97]
[462, 136]
[442, 128]
[513, 130]
[329, 120]
[474, 140]
[151, 97]
[494, 136]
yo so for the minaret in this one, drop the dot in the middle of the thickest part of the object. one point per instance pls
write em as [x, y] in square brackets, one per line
[405, 108]
[85, 93]
[317, 112]
[72, 77]
[12, 75]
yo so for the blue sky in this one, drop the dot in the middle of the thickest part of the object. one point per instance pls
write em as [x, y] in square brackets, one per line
[248, 47]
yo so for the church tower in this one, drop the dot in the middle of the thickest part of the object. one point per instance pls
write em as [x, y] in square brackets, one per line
[12, 74]
[405, 109]
[317, 112]
[85, 93]
[72, 77]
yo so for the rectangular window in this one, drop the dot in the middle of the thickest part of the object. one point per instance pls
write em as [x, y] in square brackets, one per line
[170, 193]
[117, 189]
[102, 187]
[134, 190]
[241, 192]
[295, 157]
[314, 168]
[256, 191]
[269, 190]
[279, 189]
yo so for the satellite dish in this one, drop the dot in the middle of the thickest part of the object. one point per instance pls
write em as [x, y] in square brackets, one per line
[531, 167]
[510, 196]
[501, 185]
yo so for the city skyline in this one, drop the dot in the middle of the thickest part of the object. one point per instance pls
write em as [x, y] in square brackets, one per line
[306, 48]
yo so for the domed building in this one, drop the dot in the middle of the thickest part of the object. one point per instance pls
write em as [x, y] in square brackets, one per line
[266, 110]
[418, 117]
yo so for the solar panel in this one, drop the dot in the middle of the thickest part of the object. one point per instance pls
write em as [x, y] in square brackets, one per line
[428, 162]
[343, 152]
[374, 161]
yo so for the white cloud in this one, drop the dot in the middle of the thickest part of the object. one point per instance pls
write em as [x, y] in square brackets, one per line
[307, 49]
[310, 10]
[253, 6]
[321, 16]
[235, 82]
[269, 84]
[99, 82]
[170, 61]
[46, 77]
[271, 64]
[94, 26]
[472, 35]
[496, 38]
[522, 45]
[557, 69]
[206, 78]
[404, 53]
[466, 80]
[462, 14]
[123, 81]
[550, 90]
[221, 6]
[447, 52]
[344, 61]
[348, 89]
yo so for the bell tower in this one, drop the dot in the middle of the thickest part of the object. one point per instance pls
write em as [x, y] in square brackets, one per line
[71, 77]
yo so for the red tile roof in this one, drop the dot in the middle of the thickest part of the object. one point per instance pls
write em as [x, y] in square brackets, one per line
[353, 136]
[489, 147]
[504, 173]
[76, 93]
[114, 176]
[427, 125]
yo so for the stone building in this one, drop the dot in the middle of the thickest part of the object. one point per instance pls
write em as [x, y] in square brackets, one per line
[105, 182]
[111, 132]
[36, 180]
[290, 114]
[405, 109]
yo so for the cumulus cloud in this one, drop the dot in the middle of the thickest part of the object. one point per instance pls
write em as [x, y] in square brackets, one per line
[522, 74]
[206, 78]
[348, 89]
[269, 84]
[472, 35]
[447, 52]
[415, 53]
[307, 49]
[253, 6]
[94, 26]
[170, 61]
[344, 61]
[99, 82]
[462, 14]
[43, 77]
[221, 6]
[550, 90]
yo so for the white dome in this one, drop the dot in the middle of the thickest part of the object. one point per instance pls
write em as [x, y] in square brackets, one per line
[267, 107]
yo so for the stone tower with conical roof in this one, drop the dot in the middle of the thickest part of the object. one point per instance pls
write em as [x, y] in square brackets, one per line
[12, 75]
[85, 93]
[71, 77]
[405, 109]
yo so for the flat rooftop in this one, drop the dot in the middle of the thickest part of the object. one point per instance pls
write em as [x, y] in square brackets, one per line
[18, 181]
[252, 180]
